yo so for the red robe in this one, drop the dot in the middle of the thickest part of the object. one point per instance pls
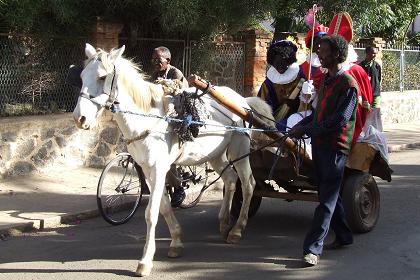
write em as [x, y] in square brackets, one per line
[362, 79]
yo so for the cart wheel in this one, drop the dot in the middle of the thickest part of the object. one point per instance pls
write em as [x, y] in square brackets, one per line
[361, 201]
[119, 189]
[237, 203]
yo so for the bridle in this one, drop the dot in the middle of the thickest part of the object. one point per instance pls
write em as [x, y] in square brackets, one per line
[110, 86]
[109, 89]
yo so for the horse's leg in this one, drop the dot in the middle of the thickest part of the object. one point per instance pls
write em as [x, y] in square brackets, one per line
[176, 247]
[157, 184]
[229, 178]
[240, 146]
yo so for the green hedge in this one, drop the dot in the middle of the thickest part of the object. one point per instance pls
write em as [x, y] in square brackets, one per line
[391, 70]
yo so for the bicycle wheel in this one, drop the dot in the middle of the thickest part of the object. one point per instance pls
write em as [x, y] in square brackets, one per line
[193, 179]
[119, 189]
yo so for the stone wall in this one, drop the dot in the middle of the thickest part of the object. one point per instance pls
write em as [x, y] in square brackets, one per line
[400, 107]
[35, 143]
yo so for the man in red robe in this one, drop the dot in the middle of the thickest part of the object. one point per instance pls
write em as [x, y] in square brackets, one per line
[365, 98]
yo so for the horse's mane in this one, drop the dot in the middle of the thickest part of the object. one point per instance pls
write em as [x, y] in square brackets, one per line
[143, 93]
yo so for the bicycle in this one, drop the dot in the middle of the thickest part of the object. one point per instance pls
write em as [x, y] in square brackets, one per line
[122, 184]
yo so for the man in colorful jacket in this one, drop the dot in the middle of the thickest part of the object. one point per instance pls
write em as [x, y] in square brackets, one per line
[331, 129]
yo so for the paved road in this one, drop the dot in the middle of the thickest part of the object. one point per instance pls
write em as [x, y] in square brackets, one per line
[270, 249]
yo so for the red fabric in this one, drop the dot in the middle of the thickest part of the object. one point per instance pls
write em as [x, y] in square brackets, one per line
[365, 91]
[342, 24]
[320, 29]
[316, 74]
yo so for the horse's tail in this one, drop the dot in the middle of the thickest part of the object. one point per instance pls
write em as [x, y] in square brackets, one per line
[265, 113]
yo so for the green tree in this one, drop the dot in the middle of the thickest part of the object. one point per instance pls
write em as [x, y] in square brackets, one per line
[390, 19]
[198, 17]
[202, 18]
[383, 18]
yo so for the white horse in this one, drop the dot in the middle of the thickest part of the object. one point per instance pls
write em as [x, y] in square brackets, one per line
[108, 78]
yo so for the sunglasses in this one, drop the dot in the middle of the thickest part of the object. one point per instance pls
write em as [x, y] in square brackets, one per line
[157, 61]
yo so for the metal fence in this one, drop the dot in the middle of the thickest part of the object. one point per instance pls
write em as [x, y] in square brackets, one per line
[32, 73]
[400, 68]
[221, 63]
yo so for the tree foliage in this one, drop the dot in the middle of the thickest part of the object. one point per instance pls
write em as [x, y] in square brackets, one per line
[390, 19]
[198, 18]
[382, 18]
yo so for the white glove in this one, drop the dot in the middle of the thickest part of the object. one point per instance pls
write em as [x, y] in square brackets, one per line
[307, 92]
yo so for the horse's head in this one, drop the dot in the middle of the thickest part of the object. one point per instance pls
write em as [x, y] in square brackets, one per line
[98, 85]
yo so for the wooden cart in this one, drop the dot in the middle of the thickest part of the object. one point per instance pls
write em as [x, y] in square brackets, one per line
[360, 193]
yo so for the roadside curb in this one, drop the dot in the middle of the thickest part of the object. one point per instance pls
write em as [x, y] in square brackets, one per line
[55, 221]
[47, 223]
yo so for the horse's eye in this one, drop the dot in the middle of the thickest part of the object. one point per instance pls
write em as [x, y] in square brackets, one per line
[102, 78]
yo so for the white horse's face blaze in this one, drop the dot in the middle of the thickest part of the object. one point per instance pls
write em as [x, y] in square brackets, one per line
[93, 77]
[86, 111]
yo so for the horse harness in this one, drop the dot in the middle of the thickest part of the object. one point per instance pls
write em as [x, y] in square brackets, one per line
[110, 86]
[185, 131]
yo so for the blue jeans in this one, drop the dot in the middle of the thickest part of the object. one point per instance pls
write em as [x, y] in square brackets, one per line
[328, 170]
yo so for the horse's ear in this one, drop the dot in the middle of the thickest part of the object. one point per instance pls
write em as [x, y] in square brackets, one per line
[115, 54]
[90, 51]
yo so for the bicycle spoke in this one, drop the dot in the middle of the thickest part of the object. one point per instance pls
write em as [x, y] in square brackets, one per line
[119, 190]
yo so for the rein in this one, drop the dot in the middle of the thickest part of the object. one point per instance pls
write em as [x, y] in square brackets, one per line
[110, 86]
[189, 121]
[230, 164]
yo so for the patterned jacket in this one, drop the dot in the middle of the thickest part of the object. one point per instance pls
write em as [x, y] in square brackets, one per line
[332, 124]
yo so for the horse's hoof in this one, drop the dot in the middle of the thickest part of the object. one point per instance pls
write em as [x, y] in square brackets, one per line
[144, 269]
[233, 238]
[224, 231]
[175, 252]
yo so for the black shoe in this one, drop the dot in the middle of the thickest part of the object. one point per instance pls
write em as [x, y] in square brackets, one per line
[335, 245]
[177, 197]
